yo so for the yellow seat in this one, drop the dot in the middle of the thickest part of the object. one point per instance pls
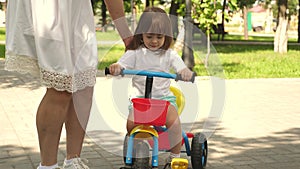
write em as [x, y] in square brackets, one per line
[180, 100]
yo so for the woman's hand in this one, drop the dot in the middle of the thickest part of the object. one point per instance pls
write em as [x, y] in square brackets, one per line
[127, 42]
[186, 74]
[115, 69]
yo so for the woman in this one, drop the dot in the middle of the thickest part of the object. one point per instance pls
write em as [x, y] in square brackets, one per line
[56, 40]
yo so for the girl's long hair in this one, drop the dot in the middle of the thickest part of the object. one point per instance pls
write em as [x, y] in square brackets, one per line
[153, 20]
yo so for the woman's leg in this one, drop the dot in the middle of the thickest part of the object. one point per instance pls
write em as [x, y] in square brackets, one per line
[50, 117]
[76, 121]
[174, 128]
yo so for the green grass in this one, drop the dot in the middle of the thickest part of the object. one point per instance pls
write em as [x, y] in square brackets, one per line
[251, 61]
[2, 34]
[108, 36]
[108, 54]
[2, 46]
[251, 38]
[232, 61]
[228, 61]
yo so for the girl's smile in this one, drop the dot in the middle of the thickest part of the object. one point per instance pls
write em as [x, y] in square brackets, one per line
[153, 41]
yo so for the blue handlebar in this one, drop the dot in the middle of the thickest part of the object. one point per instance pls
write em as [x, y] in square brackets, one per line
[151, 74]
[148, 73]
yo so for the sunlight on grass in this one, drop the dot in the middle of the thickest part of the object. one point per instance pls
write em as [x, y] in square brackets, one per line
[234, 61]
[108, 54]
[261, 64]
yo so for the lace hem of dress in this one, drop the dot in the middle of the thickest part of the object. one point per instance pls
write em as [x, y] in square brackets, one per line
[69, 83]
[58, 81]
[21, 64]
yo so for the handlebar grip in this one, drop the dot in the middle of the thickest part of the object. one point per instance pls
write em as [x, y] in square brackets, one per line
[178, 77]
[107, 72]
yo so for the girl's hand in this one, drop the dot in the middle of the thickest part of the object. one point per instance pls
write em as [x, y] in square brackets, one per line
[115, 69]
[186, 74]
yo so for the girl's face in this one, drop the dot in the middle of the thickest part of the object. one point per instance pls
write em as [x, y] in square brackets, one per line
[153, 41]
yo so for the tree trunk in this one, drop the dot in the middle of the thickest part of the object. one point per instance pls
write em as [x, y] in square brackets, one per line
[174, 17]
[299, 24]
[133, 21]
[187, 53]
[223, 18]
[206, 63]
[103, 14]
[281, 37]
[245, 11]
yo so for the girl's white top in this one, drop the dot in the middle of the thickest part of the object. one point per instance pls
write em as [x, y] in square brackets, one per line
[145, 59]
[54, 39]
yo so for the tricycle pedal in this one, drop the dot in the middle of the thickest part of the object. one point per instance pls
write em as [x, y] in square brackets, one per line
[179, 163]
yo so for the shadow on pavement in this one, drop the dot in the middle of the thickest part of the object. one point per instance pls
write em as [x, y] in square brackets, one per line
[279, 150]
[13, 79]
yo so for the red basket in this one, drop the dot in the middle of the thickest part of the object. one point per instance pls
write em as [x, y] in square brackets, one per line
[150, 111]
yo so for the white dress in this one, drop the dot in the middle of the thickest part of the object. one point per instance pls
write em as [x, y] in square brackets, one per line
[54, 39]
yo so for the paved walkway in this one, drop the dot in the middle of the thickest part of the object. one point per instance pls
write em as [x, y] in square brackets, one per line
[259, 127]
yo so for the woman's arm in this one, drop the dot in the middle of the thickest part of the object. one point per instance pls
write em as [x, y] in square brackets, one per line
[116, 10]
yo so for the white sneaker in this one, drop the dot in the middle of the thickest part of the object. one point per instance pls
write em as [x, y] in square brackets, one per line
[52, 167]
[77, 163]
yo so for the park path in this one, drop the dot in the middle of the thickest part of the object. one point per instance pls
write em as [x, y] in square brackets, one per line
[259, 127]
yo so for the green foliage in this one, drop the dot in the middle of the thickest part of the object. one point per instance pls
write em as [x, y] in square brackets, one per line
[127, 5]
[204, 13]
[232, 5]
[245, 3]
[292, 6]
[208, 17]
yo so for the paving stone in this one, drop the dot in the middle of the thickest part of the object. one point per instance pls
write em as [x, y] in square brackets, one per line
[258, 129]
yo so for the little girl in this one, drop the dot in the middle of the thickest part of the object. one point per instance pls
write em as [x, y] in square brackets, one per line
[150, 50]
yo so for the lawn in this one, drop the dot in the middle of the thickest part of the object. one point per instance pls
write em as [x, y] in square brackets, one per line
[254, 61]
[227, 60]
[232, 61]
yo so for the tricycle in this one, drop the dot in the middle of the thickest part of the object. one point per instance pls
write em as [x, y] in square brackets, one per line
[150, 134]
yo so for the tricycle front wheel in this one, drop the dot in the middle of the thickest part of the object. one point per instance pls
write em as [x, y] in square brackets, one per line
[140, 154]
[199, 151]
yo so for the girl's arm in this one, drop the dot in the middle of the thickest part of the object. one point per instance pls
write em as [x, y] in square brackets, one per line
[116, 10]
[179, 66]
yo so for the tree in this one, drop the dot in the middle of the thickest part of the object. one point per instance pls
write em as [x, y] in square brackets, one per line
[187, 52]
[231, 5]
[174, 16]
[299, 23]
[281, 38]
[205, 13]
[244, 5]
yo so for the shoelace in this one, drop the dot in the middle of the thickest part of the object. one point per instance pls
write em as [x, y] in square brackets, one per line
[83, 163]
[80, 163]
